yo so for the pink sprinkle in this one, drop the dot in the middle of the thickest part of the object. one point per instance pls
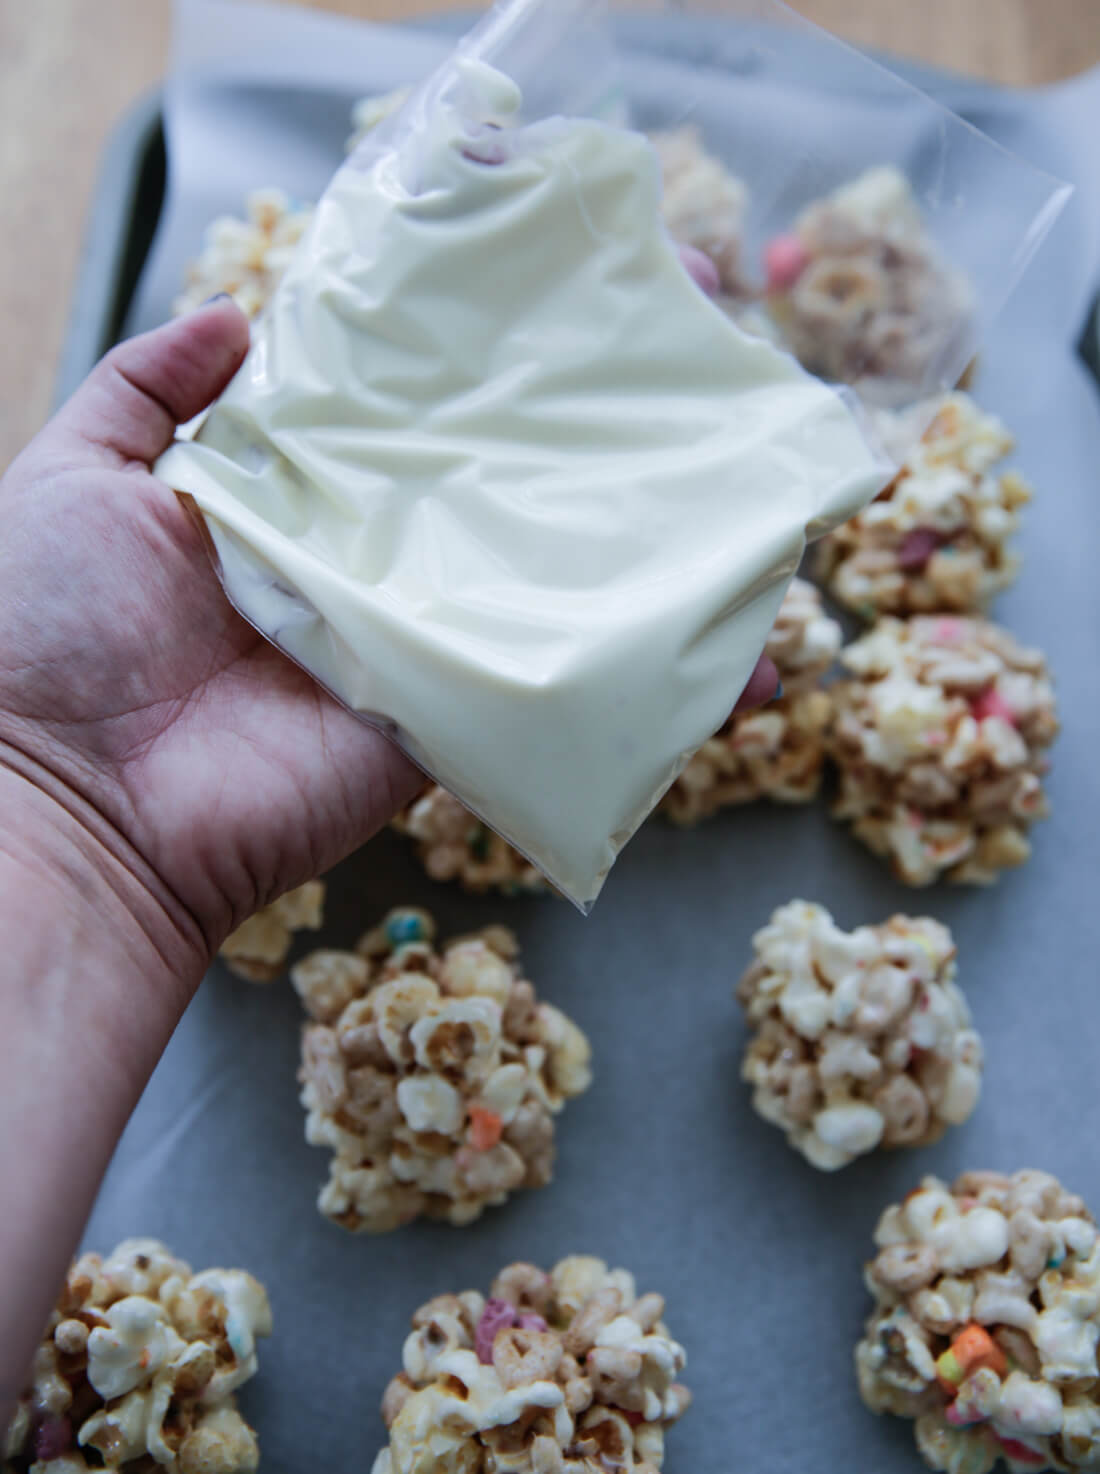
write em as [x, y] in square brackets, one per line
[52, 1438]
[701, 269]
[992, 704]
[785, 259]
[498, 1315]
[1017, 1450]
[486, 151]
[948, 631]
[917, 547]
[531, 1322]
[961, 1417]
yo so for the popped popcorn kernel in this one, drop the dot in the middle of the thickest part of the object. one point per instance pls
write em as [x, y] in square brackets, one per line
[566, 1373]
[986, 1323]
[433, 1074]
[777, 751]
[860, 1039]
[937, 538]
[867, 298]
[940, 734]
[246, 258]
[138, 1368]
[257, 950]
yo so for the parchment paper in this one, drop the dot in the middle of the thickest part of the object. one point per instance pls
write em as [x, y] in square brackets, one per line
[662, 1167]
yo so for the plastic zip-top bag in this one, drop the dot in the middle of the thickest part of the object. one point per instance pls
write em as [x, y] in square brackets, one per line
[504, 479]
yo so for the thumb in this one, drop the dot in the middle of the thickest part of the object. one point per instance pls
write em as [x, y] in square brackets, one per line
[132, 401]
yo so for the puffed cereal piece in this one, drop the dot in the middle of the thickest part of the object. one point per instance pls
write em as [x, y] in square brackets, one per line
[702, 203]
[939, 735]
[937, 538]
[566, 1372]
[433, 1074]
[138, 1366]
[246, 258]
[986, 1323]
[257, 950]
[862, 295]
[860, 1039]
[778, 751]
[452, 844]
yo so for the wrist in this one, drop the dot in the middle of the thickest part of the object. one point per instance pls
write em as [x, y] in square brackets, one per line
[96, 972]
[69, 860]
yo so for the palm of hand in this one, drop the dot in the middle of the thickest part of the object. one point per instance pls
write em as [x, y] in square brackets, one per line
[135, 682]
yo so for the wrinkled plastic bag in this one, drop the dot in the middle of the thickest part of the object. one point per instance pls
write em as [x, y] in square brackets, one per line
[521, 616]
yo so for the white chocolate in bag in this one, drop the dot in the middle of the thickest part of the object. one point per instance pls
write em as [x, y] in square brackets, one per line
[503, 480]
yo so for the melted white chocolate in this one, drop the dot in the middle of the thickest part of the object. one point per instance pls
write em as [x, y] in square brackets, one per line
[500, 477]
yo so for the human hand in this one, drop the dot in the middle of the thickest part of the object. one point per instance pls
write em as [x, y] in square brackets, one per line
[128, 677]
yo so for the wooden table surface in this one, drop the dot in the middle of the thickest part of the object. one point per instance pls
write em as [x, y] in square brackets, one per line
[68, 68]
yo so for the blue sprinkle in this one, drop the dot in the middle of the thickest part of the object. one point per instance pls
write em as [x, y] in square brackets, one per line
[406, 926]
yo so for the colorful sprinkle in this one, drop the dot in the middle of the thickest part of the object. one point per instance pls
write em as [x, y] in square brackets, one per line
[972, 1348]
[405, 926]
[486, 1128]
[785, 259]
[992, 704]
[701, 269]
[962, 1417]
[949, 1372]
[498, 1315]
[916, 547]
[52, 1438]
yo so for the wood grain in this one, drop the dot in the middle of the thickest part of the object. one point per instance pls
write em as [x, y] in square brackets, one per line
[68, 68]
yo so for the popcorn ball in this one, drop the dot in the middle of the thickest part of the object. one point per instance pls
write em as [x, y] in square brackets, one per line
[455, 845]
[138, 1368]
[246, 258]
[861, 1039]
[433, 1075]
[861, 293]
[937, 538]
[777, 751]
[703, 204]
[939, 737]
[569, 1372]
[986, 1322]
[257, 950]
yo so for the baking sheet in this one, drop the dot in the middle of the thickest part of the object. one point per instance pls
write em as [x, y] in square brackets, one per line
[662, 1167]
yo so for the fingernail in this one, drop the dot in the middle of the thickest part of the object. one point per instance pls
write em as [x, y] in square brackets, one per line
[778, 691]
